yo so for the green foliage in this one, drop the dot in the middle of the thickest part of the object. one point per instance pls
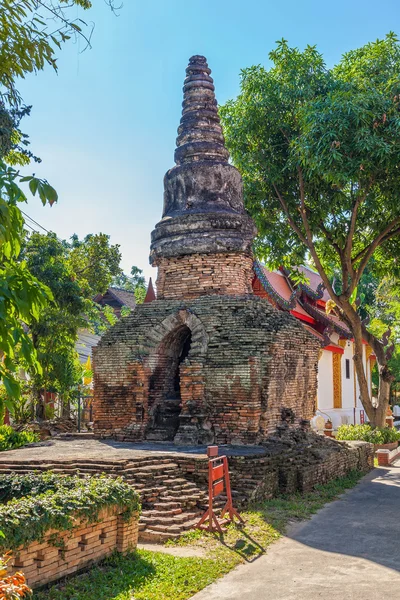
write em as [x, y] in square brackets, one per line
[74, 272]
[341, 131]
[319, 151]
[94, 262]
[30, 34]
[27, 43]
[365, 433]
[134, 283]
[10, 439]
[142, 575]
[55, 502]
[22, 296]
[148, 575]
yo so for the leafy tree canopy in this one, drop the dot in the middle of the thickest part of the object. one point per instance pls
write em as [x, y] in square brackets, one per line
[31, 33]
[22, 296]
[319, 152]
[135, 282]
[74, 272]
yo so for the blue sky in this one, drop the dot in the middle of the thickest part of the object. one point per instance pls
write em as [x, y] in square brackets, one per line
[105, 126]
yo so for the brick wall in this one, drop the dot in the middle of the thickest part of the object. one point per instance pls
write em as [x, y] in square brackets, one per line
[250, 369]
[64, 552]
[194, 275]
[292, 465]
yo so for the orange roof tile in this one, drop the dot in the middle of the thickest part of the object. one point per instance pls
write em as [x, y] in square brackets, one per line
[279, 283]
[314, 279]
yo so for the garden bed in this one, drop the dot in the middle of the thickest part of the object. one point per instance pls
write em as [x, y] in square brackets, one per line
[57, 525]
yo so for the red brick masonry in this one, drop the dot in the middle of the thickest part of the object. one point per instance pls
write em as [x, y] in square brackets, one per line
[64, 552]
[250, 368]
[194, 275]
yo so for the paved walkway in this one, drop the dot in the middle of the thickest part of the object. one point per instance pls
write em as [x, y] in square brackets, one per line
[350, 550]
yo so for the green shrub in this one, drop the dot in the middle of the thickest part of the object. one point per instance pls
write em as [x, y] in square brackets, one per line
[55, 502]
[365, 433]
[16, 485]
[10, 439]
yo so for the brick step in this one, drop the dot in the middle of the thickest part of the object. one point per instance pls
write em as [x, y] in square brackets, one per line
[196, 494]
[174, 529]
[138, 486]
[151, 468]
[29, 467]
[141, 464]
[156, 537]
[145, 461]
[182, 486]
[184, 517]
[153, 490]
[168, 505]
[182, 480]
[161, 513]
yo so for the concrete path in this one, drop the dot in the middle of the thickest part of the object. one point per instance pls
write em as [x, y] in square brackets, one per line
[350, 550]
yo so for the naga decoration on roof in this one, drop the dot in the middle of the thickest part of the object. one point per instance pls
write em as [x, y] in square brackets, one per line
[268, 287]
[327, 332]
[325, 320]
[313, 294]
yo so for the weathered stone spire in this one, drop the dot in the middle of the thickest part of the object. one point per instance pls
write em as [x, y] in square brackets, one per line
[200, 132]
[203, 194]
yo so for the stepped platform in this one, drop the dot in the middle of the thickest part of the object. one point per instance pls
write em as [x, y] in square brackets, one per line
[171, 481]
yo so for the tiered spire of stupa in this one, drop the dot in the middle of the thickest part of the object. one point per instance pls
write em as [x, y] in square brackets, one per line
[200, 133]
[203, 193]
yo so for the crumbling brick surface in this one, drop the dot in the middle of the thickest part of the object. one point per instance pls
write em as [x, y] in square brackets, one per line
[62, 553]
[195, 275]
[250, 368]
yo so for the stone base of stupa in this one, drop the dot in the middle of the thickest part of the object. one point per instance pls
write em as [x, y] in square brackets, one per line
[217, 369]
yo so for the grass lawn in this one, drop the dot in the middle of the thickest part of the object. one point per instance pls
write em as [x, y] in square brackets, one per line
[145, 575]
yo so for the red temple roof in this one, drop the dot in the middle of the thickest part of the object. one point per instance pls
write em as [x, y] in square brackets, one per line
[314, 279]
[279, 283]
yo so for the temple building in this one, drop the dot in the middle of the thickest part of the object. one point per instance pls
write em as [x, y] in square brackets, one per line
[338, 396]
[209, 360]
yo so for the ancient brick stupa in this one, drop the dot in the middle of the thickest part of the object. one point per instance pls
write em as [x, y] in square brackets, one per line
[207, 362]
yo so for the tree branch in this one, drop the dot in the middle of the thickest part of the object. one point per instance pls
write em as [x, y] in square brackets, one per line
[330, 238]
[386, 233]
[385, 237]
[309, 240]
[292, 224]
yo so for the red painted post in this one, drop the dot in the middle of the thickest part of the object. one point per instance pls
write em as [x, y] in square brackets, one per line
[218, 481]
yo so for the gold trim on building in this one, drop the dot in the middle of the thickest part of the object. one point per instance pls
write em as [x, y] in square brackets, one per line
[337, 379]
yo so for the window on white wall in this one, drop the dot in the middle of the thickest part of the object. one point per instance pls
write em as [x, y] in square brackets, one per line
[347, 368]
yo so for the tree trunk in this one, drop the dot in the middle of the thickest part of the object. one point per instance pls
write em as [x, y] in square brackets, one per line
[39, 405]
[66, 408]
[376, 411]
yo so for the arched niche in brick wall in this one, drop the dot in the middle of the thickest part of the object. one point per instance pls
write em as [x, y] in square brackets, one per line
[172, 323]
[179, 341]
